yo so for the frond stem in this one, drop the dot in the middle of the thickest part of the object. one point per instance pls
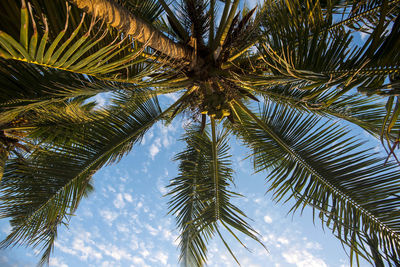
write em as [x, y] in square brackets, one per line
[366, 71]
[215, 167]
[212, 21]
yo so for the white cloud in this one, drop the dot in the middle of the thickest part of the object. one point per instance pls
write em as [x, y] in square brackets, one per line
[116, 253]
[267, 219]
[155, 148]
[57, 262]
[122, 228]
[128, 197]
[108, 216]
[145, 168]
[139, 205]
[161, 185]
[167, 138]
[138, 262]
[154, 151]
[147, 137]
[161, 257]
[65, 249]
[153, 231]
[144, 252]
[100, 100]
[248, 262]
[134, 244]
[107, 264]
[283, 240]
[167, 235]
[313, 245]
[173, 96]
[303, 258]
[119, 201]
[111, 189]
[87, 213]
[86, 251]
[258, 200]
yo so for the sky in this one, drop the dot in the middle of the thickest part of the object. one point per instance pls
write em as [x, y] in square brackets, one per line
[125, 221]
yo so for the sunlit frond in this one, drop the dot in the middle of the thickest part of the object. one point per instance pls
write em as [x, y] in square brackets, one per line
[89, 46]
[322, 165]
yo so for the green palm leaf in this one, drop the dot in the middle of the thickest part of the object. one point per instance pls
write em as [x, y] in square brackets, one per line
[149, 10]
[26, 87]
[318, 164]
[3, 158]
[58, 177]
[365, 15]
[90, 47]
[311, 53]
[200, 195]
[366, 112]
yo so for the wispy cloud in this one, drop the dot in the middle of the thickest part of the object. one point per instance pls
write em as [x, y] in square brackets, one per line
[108, 216]
[128, 197]
[153, 231]
[303, 258]
[84, 250]
[267, 219]
[119, 202]
[155, 148]
[57, 262]
[138, 262]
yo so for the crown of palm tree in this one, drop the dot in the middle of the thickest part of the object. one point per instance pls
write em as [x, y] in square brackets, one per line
[297, 59]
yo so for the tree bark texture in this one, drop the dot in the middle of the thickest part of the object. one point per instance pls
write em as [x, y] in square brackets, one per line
[120, 18]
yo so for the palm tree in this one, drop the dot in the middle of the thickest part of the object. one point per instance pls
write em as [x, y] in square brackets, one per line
[296, 58]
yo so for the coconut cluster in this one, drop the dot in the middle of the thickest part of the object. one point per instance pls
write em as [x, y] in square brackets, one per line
[216, 105]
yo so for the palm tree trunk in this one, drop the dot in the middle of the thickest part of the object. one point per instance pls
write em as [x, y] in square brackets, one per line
[120, 18]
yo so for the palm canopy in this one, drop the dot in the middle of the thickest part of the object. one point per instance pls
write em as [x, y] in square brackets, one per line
[297, 59]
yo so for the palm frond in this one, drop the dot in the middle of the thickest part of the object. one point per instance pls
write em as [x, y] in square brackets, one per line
[149, 10]
[43, 190]
[25, 87]
[3, 159]
[366, 112]
[196, 19]
[302, 49]
[175, 25]
[321, 165]
[227, 18]
[200, 195]
[312, 55]
[364, 16]
[90, 47]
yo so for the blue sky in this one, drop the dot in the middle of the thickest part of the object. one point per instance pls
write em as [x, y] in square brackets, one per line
[124, 222]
